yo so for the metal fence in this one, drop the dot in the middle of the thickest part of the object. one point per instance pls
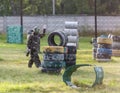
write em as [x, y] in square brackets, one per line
[86, 23]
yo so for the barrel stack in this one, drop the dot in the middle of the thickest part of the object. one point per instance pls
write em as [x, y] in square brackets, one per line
[71, 30]
[104, 50]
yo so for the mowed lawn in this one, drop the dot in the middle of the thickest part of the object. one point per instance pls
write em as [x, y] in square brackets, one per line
[16, 77]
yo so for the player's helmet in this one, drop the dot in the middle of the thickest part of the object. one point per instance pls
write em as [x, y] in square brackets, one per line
[36, 30]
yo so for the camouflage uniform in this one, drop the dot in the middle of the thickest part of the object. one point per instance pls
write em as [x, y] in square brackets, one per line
[29, 33]
[33, 44]
[40, 36]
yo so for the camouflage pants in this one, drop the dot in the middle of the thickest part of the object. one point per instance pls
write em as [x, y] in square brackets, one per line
[34, 59]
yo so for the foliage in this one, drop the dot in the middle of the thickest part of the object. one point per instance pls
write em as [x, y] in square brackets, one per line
[44, 7]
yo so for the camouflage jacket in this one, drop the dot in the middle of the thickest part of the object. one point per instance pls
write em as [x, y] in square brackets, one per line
[33, 42]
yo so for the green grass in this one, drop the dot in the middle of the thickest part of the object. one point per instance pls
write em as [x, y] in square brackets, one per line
[16, 77]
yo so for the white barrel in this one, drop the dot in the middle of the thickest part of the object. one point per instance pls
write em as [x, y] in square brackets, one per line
[71, 44]
[72, 32]
[71, 25]
[72, 39]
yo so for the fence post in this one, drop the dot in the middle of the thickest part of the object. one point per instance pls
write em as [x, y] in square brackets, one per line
[4, 23]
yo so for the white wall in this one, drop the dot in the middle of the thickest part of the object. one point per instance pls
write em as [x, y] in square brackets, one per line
[105, 23]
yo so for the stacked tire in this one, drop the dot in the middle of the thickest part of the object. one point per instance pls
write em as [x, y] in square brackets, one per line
[115, 45]
[61, 35]
[70, 56]
[104, 50]
[53, 59]
[62, 54]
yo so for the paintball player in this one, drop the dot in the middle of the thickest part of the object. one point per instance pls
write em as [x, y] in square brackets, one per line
[41, 35]
[33, 45]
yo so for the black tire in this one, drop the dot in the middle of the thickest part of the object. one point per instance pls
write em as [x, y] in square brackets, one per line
[44, 70]
[70, 63]
[51, 41]
[53, 57]
[70, 57]
[72, 49]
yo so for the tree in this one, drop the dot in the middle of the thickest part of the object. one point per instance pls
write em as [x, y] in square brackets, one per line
[68, 6]
[44, 7]
[15, 7]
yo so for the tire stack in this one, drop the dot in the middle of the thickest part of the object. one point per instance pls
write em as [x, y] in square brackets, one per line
[95, 45]
[115, 45]
[69, 40]
[53, 59]
[71, 30]
[70, 56]
[104, 50]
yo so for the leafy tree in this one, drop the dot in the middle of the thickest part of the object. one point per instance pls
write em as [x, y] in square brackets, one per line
[69, 6]
[44, 7]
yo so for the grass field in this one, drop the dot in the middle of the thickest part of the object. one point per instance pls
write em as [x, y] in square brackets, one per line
[16, 77]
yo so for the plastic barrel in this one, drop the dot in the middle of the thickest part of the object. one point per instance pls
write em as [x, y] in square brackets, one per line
[71, 25]
[72, 39]
[72, 32]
